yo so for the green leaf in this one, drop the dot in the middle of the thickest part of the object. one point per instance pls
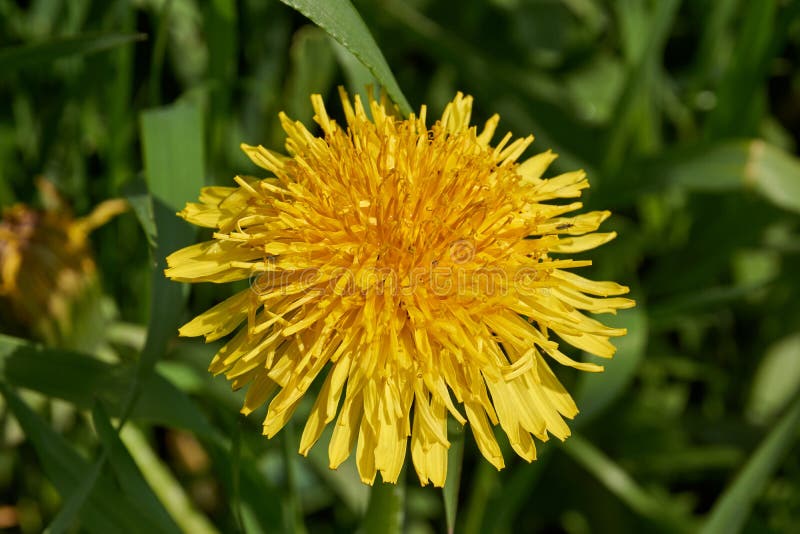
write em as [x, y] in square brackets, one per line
[732, 509]
[357, 75]
[385, 509]
[105, 509]
[739, 107]
[69, 511]
[164, 484]
[753, 164]
[527, 101]
[259, 501]
[127, 473]
[455, 456]
[139, 199]
[635, 117]
[312, 71]
[486, 482]
[596, 391]
[776, 380]
[293, 513]
[341, 20]
[81, 380]
[172, 143]
[32, 55]
[620, 483]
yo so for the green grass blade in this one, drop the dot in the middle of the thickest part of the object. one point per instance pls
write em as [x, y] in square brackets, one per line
[357, 75]
[620, 483]
[634, 107]
[385, 511]
[259, 501]
[738, 110]
[341, 20]
[105, 509]
[732, 509]
[139, 199]
[130, 479]
[293, 512]
[455, 456]
[159, 51]
[33, 55]
[69, 511]
[164, 484]
[517, 92]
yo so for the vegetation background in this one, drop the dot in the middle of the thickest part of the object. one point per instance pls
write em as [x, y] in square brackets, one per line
[685, 114]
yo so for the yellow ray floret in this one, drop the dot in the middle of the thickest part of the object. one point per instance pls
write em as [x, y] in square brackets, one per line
[408, 269]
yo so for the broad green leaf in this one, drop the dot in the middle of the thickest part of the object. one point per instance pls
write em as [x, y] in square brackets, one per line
[33, 55]
[81, 380]
[596, 391]
[105, 508]
[221, 17]
[127, 473]
[385, 511]
[776, 380]
[732, 509]
[341, 20]
[172, 143]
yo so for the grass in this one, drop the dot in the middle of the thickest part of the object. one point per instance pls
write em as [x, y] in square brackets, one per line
[685, 116]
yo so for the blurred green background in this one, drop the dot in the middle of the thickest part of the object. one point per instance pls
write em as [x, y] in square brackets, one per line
[686, 116]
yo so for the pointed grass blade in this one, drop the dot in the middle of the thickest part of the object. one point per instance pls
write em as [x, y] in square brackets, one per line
[732, 509]
[127, 473]
[33, 55]
[341, 20]
[101, 506]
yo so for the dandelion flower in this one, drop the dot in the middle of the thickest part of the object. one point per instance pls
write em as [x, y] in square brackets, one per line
[418, 269]
[46, 264]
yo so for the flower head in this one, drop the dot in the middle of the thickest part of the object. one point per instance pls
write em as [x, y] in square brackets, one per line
[46, 263]
[418, 268]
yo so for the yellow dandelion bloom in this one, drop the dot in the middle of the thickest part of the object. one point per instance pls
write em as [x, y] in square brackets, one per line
[414, 267]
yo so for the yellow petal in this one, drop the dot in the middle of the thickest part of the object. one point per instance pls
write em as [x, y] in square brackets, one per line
[532, 169]
[220, 320]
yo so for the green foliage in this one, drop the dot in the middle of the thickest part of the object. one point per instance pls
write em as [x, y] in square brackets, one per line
[340, 19]
[684, 115]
